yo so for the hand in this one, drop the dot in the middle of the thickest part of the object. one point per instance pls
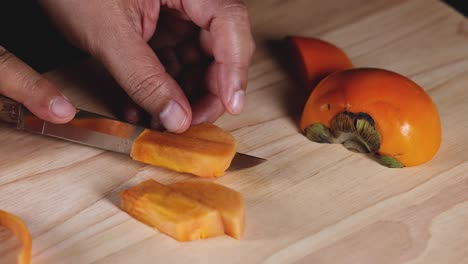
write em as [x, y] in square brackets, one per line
[22, 84]
[121, 35]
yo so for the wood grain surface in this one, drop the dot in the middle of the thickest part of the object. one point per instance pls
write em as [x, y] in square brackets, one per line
[310, 203]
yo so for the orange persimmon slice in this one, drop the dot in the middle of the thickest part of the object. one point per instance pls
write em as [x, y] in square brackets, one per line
[106, 126]
[227, 201]
[316, 59]
[204, 150]
[17, 226]
[171, 212]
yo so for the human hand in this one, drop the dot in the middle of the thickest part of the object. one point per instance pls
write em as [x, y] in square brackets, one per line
[121, 35]
[22, 84]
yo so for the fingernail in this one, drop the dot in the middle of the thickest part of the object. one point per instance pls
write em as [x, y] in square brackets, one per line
[173, 117]
[236, 102]
[61, 107]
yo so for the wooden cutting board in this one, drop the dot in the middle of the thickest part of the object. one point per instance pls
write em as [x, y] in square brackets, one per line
[310, 203]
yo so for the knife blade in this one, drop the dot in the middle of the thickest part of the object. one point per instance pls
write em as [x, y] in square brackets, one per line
[113, 135]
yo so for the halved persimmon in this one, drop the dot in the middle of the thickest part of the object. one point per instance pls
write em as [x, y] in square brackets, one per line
[317, 59]
[376, 111]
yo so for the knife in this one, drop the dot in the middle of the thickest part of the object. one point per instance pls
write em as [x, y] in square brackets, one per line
[114, 135]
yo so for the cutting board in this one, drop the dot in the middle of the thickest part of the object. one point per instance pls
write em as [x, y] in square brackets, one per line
[310, 203]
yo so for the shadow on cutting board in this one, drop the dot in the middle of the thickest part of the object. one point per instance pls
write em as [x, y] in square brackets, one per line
[296, 95]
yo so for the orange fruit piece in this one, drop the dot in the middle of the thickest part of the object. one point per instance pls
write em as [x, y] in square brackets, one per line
[106, 126]
[171, 212]
[17, 226]
[228, 202]
[316, 59]
[204, 150]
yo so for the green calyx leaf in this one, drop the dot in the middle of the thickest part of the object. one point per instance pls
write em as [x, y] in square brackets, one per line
[356, 132]
[365, 129]
[318, 132]
[388, 161]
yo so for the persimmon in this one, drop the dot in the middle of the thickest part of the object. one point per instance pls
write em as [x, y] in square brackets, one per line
[17, 226]
[171, 212]
[228, 202]
[317, 59]
[376, 111]
[204, 150]
[106, 126]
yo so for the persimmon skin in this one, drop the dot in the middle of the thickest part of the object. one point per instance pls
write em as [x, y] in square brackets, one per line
[316, 59]
[404, 114]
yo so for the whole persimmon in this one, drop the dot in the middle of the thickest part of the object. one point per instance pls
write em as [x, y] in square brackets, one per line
[375, 111]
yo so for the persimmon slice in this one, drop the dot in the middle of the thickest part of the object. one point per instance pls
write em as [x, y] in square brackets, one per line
[228, 202]
[204, 150]
[171, 212]
[17, 227]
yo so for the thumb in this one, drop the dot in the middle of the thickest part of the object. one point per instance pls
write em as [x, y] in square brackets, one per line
[135, 66]
[22, 84]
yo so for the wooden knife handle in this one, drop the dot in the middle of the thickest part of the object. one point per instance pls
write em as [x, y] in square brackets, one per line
[10, 110]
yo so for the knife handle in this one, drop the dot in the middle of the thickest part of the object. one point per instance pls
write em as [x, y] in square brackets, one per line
[10, 110]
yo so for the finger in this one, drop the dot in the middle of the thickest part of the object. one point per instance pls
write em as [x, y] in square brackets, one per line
[171, 31]
[132, 112]
[213, 85]
[206, 42]
[191, 80]
[170, 60]
[137, 69]
[156, 124]
[188, 52]
[232, 44]
[208, 109]
[21, 83]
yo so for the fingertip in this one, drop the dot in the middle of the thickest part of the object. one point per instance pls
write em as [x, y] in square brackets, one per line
[236, 102]
[132, 114]
[232, 81]
[174, 118]
[207, 110]
[61, 109]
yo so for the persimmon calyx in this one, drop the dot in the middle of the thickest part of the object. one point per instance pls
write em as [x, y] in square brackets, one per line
[357, 132]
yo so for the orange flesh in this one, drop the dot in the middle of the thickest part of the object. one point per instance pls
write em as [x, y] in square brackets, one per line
[106, 126]
[204, 150]
[171, 212]
[17, 226]
[405, 116]
[228, 202]
[317, 59]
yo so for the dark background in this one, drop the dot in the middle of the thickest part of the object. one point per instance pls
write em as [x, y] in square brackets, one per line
[26, 32]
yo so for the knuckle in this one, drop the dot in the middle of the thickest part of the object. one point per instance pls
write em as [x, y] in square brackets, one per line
[147, 90]
[236, 9]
